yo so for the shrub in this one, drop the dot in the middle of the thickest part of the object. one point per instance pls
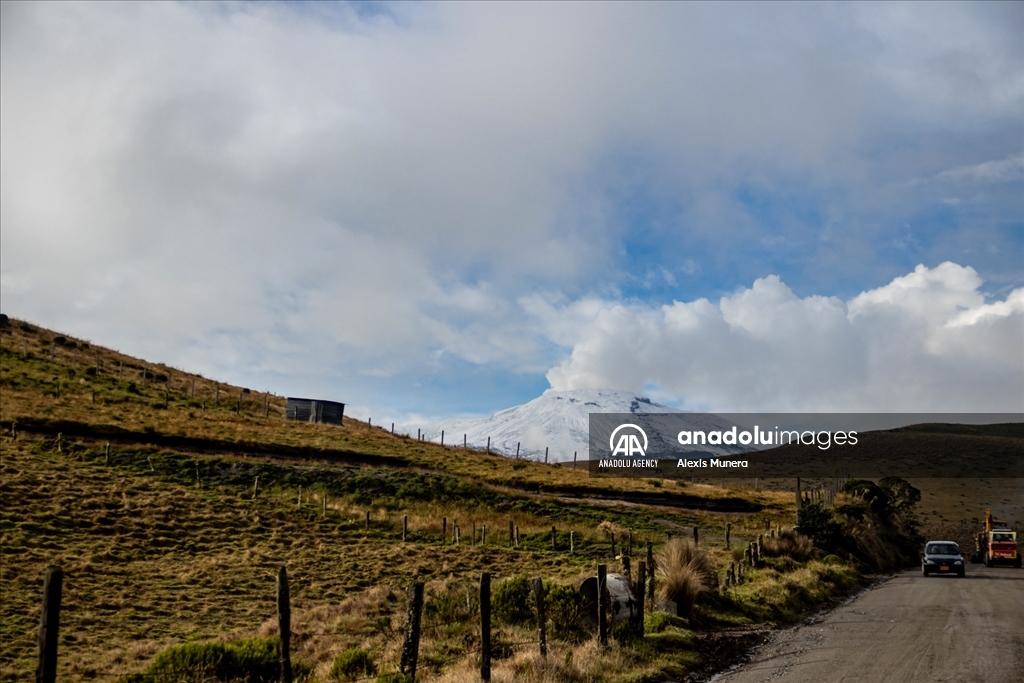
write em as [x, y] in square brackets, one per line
[567, 613]
[684, 573]
[353, 664]
[248, 661]
[790, 544]
[59, 340]
[817, 522]
[394, 677]
[457, 605]
[512, 601]
[90, 372]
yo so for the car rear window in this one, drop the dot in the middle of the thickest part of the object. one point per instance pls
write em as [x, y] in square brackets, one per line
[942, 549]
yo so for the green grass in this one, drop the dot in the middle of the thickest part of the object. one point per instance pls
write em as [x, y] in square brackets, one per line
[167, 542]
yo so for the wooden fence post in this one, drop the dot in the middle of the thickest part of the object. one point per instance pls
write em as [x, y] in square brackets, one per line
[554, 544]
[483, 536]
[650, 570]
[488, 444]
[367, 520]
[485, 627]
[572, 542]
[626, 568]
[444, 530]
[728, 530]
[405, 527]
[106, 453]
[518, 444]
[511, 535]
[284, 625]
[629, 546]
[538, 593]
[639, 590]
[411, 646]
[442, 437]
[612, 535]
[49, 624]
[545, 455]
[602, 605]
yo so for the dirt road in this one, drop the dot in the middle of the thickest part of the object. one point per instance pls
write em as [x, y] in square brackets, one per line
[908, 629]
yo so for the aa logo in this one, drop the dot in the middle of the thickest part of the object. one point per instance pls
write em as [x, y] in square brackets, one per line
[628, 443]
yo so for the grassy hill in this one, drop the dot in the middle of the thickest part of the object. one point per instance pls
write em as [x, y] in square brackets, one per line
[171, 500]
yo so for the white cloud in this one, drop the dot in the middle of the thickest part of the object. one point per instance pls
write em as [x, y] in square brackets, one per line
[300, 192]
[927, 341]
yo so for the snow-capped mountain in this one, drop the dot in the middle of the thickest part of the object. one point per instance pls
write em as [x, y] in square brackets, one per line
[558, 421]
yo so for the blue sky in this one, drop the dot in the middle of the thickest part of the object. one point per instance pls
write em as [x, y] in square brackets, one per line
[436, 209]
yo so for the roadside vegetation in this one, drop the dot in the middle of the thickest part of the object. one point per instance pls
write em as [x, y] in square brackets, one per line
[171, 509]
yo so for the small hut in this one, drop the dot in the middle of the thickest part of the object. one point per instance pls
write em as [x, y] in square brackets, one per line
[314, 410]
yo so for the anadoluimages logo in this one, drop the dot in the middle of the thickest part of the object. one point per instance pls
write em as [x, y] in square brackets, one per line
[628, 443]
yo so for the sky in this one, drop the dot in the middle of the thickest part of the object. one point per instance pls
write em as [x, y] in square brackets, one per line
[429, 210]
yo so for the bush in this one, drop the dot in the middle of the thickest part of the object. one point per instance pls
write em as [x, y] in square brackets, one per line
[248, 661]
[817, 523]
[353, 664]
[451, 610]
[684, 573]
[790, 544]
[394, 677]
[512, 601]
[567, 613]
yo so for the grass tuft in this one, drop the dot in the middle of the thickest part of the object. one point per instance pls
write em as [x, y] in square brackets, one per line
[684, 573]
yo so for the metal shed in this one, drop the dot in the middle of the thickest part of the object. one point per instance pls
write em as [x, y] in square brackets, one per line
[315, 410]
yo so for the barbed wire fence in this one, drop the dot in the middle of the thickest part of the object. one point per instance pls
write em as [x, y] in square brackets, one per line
[487, 643]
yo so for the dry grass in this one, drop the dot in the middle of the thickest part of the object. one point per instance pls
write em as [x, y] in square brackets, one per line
[684, 572]
[788, 543]
[152, 560]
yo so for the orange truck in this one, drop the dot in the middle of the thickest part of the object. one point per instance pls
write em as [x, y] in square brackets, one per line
[997, 544]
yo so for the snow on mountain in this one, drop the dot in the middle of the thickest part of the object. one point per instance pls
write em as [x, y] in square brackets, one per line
[558, 421]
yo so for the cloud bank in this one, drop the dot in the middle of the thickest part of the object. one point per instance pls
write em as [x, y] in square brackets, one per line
[927, 341]
[367, 202]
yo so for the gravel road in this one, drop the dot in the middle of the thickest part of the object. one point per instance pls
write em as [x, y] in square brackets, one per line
[909, 628]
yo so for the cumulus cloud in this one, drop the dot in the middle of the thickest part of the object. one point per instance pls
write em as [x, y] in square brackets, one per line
[927, 341]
